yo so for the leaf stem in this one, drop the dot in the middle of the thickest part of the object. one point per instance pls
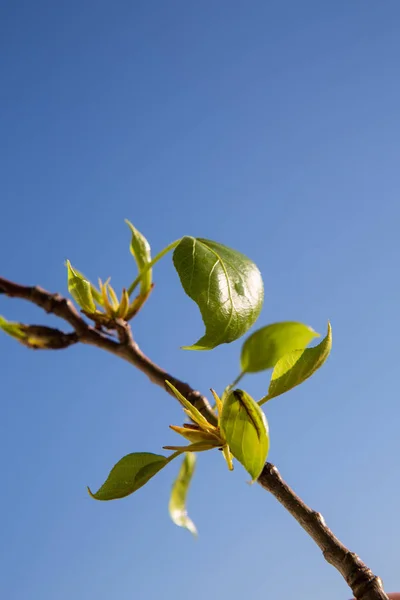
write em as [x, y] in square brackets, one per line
[174, 455]
[149, 265]
[235, 381]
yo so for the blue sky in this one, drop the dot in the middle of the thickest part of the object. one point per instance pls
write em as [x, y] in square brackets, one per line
[273, 128]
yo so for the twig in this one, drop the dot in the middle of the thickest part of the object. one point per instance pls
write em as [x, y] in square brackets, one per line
[40, 337]
[363, 583]
[126, 349]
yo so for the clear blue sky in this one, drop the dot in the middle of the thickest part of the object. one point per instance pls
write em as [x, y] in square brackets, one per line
[269, 126]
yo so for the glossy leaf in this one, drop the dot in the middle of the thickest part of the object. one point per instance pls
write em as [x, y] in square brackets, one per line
[297, 366]
[80, 289]
[130, 474]
[15, 330]
[177, 503]
[244, 426]
[140, 249]
[226, 286]
[267, 345]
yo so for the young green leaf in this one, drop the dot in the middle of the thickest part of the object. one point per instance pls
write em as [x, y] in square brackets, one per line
[245, 428]
[130, 474]
[80, 289]
[177, 503]
[124, 304]
[267, 345]
[140, 249]
[297, 366]
[195, 434]
[15, 330]
[226, 286]
[95, 292]
[191, 411]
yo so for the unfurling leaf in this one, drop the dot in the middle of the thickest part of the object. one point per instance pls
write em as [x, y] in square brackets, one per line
[190, 410]
[177, 503]
[194, 433]
[130, 474]
[267, 345]
[38, 337]
[108, 307]
[140, 249]
[218, 401]
[226, 286]
[124, 304]
[297, 366]
[95, 292]
[15, 330]
[113, 297]
[244, 426]
[80, 289]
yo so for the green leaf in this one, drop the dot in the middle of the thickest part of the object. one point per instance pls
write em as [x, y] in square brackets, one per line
[226, 286]
[140, 249]
[195, 434]
[177, 503]
[130, 474]
[191, 411]
[267, 345]
[15, 330]
[297, 366]
[80, 289]
[245, 428]
[95, 292]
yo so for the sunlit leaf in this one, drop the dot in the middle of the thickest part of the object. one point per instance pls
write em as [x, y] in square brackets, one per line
[297, 366]
[267, 345]
[130, 474]
[80, 289]
[140, 249]
[226, 286]
[177, 503]
[245, 428]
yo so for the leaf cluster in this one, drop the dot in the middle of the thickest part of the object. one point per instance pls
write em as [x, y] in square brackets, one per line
[228, 289]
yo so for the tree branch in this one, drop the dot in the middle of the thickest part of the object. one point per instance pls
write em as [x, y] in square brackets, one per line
[363, 583]
[126, 348]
